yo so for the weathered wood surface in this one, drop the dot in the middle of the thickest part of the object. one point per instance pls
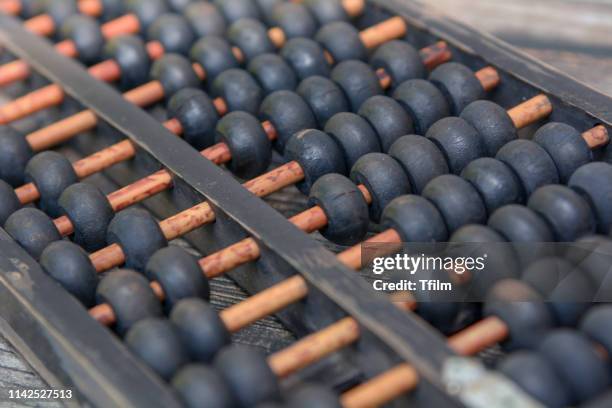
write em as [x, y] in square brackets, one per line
[573, 36]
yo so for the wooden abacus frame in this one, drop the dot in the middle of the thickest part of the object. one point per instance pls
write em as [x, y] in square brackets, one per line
[71, 350]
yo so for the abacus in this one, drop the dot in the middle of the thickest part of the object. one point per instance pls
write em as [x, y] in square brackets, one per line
[396, 126]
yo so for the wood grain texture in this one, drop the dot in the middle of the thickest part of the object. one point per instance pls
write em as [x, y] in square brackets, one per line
[573, 36]
[15, 374]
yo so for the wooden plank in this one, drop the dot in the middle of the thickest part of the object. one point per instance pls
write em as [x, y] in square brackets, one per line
[572, 36]
[16, 375]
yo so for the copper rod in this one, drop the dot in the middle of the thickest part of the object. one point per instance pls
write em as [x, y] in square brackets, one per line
[127, 24]
[435, 55]
[264, 303]
[353, 8]
[194, 217]
[53, 94]
[382, 389]
[479, 336]
[10, 7]
[314, 347]
[488, 78]
[394, 27]
[93, 8]
[596, 137]
[92, 164]
[19, 70]
[42, 25]
[71, 126]
[530, 111]
[353, 258]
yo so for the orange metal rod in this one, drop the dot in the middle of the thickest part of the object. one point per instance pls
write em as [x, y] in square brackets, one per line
[19, 70]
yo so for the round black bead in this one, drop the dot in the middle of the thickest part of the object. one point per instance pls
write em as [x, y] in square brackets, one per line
[235, 10]
[90, 213]
[577, 363]
[248, 142]
[205, 19]
[567, 213]
[251, 36]
[317, 154]
[591, 253]
[311, 395]
[415, 219]
[520, 224]
[215, 55]
[493, 124]
[86, 35]
[566, 146]
[178, 5]
[111, 9]
[131, 54]
[157, 343]
[173, 31]
[534, 374]
[327, 11]
[358, 81]
[147, 11]
[31, 8]
[529, 232]
[354, 136]
[423, 101]
[32, 229]
[568, 289]
[266, 8]
[458, 84]
[239, 90]
[383, 177]
[129, 295]
[138, 234]
[14, 155]
[197, 115]
[602, 401]
[458, 140]
[70, 266]
[522, 309]
[457, 200]
[500, 259]
[421, 159]
[324, 97]
[593, 182]
[596, 325]
[344, 206]
[60, 10]
[199, 386]
[248, 374]
[272, 72]
[306, 57]
[295, 20]
[174, 72]
[533, 166]
[342, 41]
[400, 60]
[179, 274]
[288, 113]
[496, 182]
[9, 202]
[52, 173]
[388, 118]
[202, 330]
